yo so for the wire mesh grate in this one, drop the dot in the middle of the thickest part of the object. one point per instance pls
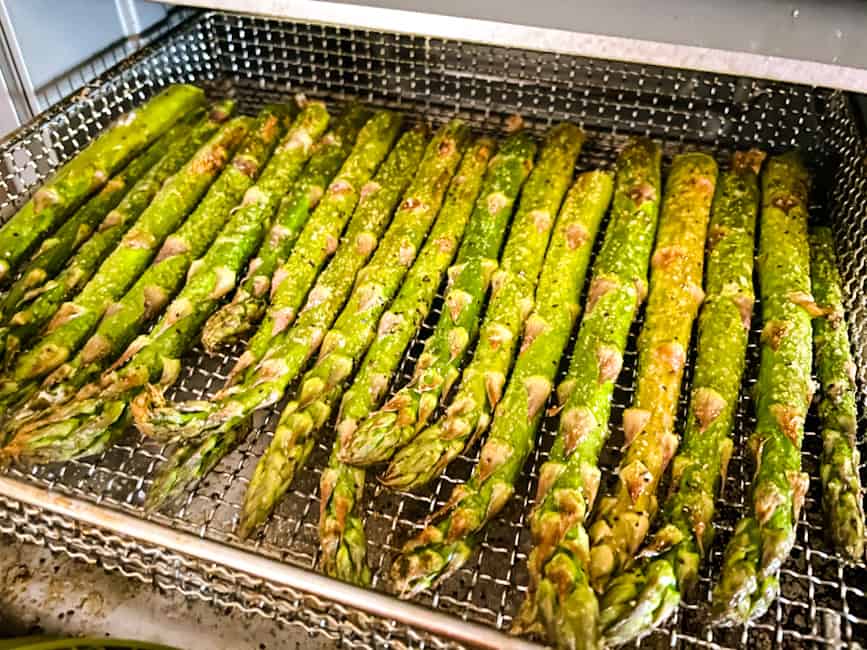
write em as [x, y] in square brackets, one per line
[823, 601]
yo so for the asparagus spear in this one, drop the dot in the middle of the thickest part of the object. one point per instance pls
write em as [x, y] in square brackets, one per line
[841, 484]
[762, 541]
[45, 300]
[90, 170]
[511, 300]
[568, 481]
[322, 386]
[442, 548]
[161, 281]
[375, 439]
[54, 252]
[367, 224]
[355, 327]
[92, 421]
[641, 599]
[73, 322]
[250, 301]
[675, 296]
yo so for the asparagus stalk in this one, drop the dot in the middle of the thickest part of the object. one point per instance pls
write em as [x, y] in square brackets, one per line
[841, 484]
[675, 296]
[161, 281]
[354, 328]
[442, 548]
[762, 541]
[90, 170]
[92, 421]
[250, 301]
[40, 303]
[304, 418]
[369, 221]
[639, 600]
[511, 300]
[376, 438]
[74, 321]
[55, 251]
[559, 600]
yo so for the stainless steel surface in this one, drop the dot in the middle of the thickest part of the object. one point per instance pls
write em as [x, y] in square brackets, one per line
[48, 593]
[767, 39]
[92, 508]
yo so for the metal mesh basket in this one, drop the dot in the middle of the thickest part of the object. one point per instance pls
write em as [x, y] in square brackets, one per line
[92, 508]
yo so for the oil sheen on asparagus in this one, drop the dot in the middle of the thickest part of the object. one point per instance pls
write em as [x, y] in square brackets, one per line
[560, 601]
[761, 541]
[675, 295]
[841, 484]
[638, 600]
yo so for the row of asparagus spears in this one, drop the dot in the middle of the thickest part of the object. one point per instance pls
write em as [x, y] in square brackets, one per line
[347, 226]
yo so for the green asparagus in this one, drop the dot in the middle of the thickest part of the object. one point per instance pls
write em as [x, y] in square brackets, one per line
[161, 281]
[841, 484]
[90, 170]
[354, 328]
[511, 301]
[101, 409]
[645, 597]
[675, 296]
[443, 547]
[762, 541]
[250, 301]
[375, 439]
[42, 302]
[75, 319]
[367, 224]
[560, 600]
[55, 251]
[304, 418]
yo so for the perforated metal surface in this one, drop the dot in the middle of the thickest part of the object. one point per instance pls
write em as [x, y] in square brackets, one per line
[823, 602]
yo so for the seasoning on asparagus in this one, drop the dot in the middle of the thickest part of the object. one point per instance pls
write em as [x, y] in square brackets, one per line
[321, 388]
[101, 410]
[762, 541]
[55, 251]
[90, 170]
[511, 301]
[560, 601]
[354, 328]
[645, 597]
[146, 299]
[443, 547]
[367, 224]
[648, 425]
[75, 319]
[380, 434]
[42, 302]
[250, 301]
[841, 484]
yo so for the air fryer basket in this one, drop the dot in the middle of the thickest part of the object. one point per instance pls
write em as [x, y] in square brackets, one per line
[254, 60]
